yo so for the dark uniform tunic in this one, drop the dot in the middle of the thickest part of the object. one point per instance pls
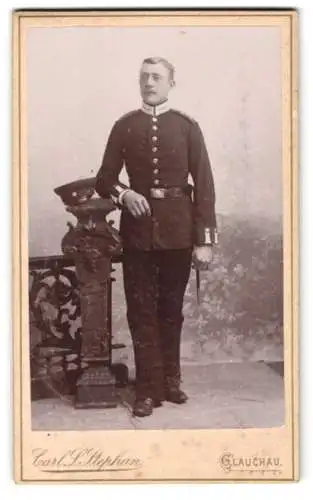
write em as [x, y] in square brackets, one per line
[159, 147]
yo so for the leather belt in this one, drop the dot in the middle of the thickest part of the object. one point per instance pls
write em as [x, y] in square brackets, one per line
[172, 192]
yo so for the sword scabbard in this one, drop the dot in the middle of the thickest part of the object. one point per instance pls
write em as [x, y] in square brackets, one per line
[198, 285]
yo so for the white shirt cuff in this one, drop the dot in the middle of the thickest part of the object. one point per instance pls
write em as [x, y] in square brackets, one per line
[121, 196]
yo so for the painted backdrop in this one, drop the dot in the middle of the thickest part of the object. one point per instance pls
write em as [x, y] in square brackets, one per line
[80, 80]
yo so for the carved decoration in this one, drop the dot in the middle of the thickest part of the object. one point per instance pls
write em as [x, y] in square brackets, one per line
[92, 243]
[55, 305]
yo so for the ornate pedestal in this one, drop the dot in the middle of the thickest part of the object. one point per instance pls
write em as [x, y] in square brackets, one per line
[92, 243]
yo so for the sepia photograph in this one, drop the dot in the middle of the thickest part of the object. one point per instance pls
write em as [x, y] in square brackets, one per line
[155, 182]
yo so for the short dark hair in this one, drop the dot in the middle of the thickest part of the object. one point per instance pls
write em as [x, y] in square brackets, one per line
[155, 60]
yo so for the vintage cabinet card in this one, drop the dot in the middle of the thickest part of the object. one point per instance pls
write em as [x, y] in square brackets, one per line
[155, 245]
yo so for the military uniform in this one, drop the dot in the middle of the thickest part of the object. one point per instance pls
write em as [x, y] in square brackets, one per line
[159, 147]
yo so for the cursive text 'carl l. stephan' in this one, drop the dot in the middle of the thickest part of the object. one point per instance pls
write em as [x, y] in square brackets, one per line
[83, 459]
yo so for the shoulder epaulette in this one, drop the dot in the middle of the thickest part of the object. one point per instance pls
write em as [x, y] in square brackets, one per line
[127, 115]
[184, 115]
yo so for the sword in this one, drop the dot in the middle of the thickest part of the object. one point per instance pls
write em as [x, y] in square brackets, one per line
[198, 285]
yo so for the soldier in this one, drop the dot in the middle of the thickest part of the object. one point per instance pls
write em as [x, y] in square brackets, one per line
[165, 226]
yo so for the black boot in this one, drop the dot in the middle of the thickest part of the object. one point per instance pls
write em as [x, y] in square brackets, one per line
[176, 395]
[173, 393]
[144, 407]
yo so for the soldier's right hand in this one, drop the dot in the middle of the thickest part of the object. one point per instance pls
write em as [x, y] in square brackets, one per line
[136, 203]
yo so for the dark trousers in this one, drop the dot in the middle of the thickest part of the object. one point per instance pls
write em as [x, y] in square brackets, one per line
[155, 283]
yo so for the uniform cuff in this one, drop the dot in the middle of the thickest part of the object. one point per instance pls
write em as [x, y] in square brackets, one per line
[117, 193]
[121, 196]
[205, 236]
[210, 236]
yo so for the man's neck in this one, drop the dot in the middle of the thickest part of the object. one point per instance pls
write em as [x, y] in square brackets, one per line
[155, 109]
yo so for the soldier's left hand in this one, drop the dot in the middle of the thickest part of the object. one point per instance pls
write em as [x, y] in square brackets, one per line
[201, 257]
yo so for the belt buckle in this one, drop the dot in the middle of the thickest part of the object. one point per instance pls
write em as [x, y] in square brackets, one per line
[157, 193]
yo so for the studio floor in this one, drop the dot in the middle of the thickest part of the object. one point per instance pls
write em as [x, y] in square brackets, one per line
[221, 396]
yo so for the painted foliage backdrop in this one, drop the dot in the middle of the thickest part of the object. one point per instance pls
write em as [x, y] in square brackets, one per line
[80, 80]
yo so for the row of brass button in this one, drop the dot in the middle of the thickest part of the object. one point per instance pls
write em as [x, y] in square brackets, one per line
[154, 150]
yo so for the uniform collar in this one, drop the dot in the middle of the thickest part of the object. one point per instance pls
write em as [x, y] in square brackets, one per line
[156, 110]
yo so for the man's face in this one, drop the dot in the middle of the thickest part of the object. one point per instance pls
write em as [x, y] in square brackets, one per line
[155, 83]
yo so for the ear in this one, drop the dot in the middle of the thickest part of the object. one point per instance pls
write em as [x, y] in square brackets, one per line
[173, 83]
